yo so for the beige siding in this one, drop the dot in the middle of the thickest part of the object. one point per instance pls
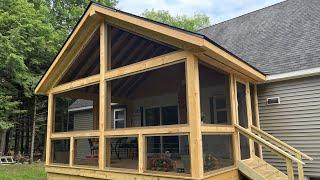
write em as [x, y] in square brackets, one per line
[83, 120]
[296, 120]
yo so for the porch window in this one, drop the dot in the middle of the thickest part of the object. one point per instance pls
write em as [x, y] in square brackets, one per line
[168, 153]
[243, 119]
[214, 96]
[123, 152]
[60, 150]
[152, 98]
[217, 152]
[77, 110]
[86, 151]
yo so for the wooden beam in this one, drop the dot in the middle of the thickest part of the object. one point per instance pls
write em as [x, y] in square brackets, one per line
[83, 82]
[51, 106]
[82, 134]
[168, 129]
[147, 65]
[234, 119]
[104, 92]
[152, 30]
[194, 118]
[217, 129]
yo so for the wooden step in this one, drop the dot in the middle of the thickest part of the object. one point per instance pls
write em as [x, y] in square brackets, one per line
[256, 169]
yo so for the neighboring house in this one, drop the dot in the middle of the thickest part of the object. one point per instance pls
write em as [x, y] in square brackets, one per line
[130, 98]
[283, 41]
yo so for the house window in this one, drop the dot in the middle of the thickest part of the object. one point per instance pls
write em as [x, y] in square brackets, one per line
[218, 110]
[119, 118]
[166, 115]
[273, 100]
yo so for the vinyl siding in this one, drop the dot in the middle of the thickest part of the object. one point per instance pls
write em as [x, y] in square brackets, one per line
[83, 120]
[296, 120]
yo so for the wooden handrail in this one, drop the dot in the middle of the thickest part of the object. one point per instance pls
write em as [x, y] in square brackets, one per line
[278, 142]
[266, 144]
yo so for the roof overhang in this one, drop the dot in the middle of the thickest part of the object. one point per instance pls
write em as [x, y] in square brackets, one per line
[192, 42]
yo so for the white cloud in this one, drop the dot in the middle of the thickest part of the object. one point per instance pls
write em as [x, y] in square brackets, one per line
[217, 10]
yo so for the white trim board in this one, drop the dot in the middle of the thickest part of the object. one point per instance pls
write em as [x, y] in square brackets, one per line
[293, 75]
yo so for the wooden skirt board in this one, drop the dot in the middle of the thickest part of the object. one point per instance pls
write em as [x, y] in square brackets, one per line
[67, 173]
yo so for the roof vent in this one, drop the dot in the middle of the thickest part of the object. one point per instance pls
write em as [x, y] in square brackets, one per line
[273, 100]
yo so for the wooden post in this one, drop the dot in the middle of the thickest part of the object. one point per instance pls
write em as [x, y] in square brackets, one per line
[289, 169]
[234, 119]
[51, 105]
[142, 153]
[194, 117]
[256, 111]
[300, 167]
[249, 115]
[104, 93]
[71, 155]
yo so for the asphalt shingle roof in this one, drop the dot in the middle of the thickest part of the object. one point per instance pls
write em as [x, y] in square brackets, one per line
[277, 39]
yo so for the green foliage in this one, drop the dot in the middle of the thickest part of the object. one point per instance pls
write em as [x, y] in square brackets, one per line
[31, 33]
[192, 23]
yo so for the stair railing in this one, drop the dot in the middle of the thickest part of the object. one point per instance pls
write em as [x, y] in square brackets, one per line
[298, 154]
[273, 148]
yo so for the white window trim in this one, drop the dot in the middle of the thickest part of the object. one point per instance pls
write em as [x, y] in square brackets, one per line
[123, 119]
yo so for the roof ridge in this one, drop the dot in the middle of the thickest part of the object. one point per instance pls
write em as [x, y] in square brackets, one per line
[276, 4]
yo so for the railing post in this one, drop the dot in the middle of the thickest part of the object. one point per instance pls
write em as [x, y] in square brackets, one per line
[141, 153]
[71, 156]
[290, 169]
[300, 167]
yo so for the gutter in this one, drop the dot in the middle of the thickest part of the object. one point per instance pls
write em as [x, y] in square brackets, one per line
[293, 75]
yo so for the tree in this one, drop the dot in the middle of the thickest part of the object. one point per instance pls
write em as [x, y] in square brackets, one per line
[191, 23]
[31, 33]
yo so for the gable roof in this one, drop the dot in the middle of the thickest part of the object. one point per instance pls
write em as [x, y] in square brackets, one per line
[186, 40]
[277, 39]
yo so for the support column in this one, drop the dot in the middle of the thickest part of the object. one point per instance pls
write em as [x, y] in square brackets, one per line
[104, 94]
[51, 105]
[194, 117]
[234, 119]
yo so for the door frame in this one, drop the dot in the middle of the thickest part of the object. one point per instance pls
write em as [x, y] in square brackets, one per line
[249, 112]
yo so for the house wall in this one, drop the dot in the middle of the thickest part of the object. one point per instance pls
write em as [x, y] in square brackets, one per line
[83, 120]
[296, 120]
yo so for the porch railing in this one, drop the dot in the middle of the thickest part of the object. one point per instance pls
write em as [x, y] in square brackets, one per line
[277, 146]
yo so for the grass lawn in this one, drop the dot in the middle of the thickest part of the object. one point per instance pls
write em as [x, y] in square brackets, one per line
[22, 172]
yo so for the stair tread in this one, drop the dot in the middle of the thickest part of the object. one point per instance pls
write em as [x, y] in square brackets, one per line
[264, 169]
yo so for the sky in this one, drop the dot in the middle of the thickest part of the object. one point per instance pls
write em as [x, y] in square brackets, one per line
[217, 10]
